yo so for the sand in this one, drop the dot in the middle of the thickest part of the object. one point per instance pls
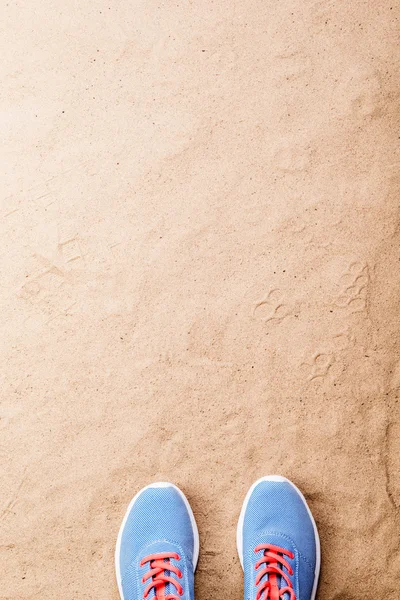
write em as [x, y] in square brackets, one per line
[200, 278]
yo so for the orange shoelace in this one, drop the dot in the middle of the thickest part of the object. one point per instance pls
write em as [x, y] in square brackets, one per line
[160, 563]
[274, 562]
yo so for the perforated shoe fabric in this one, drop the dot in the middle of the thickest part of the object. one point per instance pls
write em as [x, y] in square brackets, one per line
[158, 528]
[278, 543]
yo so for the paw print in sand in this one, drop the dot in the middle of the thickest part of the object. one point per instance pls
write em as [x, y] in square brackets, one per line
[272, 307]
[319, 365]
[354, 287]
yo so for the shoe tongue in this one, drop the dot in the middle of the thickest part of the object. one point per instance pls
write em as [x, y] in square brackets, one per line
[165, 590]
[168, 586]
[156, 548]
[277, 582]
[275, 586]
[161, 595]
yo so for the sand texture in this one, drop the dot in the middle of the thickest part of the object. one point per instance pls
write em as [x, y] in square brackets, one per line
[200, 251]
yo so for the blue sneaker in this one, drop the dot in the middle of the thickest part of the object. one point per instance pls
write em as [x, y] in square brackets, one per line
[158, 546]
[278, 542]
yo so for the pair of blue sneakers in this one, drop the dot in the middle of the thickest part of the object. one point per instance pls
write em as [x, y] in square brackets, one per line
[277, 541]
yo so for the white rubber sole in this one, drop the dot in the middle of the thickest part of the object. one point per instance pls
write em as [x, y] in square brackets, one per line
[239, 531]
[160, 484]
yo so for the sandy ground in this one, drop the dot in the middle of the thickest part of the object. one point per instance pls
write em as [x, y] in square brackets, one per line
[199, 280]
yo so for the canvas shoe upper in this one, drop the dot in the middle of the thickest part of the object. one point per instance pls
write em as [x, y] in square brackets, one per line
[158, 546]
[278, 542]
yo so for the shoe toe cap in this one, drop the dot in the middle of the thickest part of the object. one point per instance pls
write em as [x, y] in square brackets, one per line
[276, 506]
[158, 513]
